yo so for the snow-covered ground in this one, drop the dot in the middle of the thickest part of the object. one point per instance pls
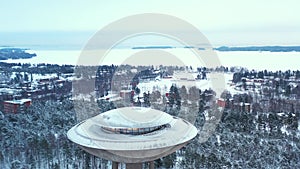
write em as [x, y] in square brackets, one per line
[59, 57]
[261, 60]
[163, 85]
[249, 59]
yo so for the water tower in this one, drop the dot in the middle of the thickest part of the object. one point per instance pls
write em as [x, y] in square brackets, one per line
[132, 135]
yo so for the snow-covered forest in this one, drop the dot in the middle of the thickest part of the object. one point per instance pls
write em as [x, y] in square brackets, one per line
[37, 139]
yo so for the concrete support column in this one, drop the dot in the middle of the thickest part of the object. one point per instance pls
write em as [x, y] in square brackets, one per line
[115, 165]
[134, 165]
[151, 165]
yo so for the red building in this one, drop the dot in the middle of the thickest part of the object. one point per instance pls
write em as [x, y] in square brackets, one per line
[16, 106]
[221, 103]
[126, 94]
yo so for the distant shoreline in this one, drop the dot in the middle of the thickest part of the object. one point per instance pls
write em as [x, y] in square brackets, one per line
[261, 48]
[153, 47]
[233, 48]
[278, 48]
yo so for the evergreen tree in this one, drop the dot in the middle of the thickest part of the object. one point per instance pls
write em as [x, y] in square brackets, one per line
[288, 90]
[146, 99]
[174, 97]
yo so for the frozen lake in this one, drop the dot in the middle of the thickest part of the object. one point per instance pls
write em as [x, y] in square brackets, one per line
[249, 59]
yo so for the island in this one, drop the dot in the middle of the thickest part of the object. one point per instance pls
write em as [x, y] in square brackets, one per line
[261, 48]
[152, 47]
[15, 53]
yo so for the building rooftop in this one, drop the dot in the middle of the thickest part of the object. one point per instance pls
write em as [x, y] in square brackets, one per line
[21, 101]
[134, 130]
[9, 91]
[133, 117]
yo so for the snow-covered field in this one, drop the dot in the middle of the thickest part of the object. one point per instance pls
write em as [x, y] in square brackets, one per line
[251, 60]
[59, 57]
[163, 85]
[261, 60]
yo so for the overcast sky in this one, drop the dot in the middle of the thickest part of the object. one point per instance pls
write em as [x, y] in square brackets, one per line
[228, 21]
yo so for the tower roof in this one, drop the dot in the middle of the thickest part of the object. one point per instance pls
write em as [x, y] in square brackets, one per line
[133, 117]
[120, 134]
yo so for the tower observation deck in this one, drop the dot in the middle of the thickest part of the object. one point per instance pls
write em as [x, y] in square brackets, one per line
[132, 135]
